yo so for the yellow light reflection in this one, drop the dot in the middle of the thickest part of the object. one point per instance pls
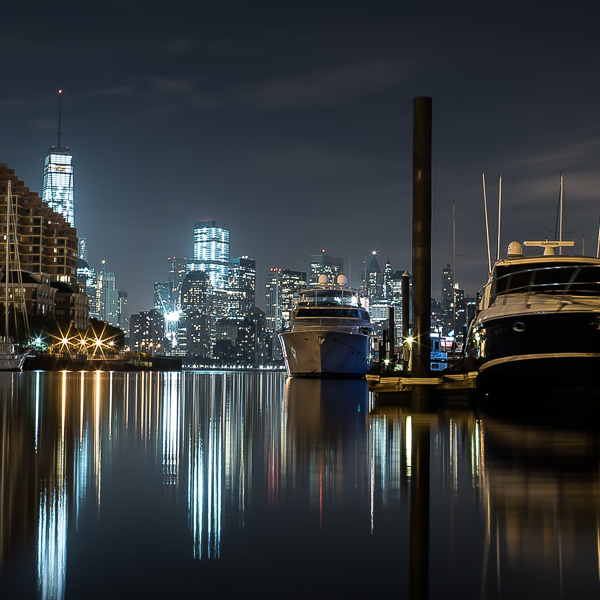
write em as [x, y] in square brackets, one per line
[408, 439]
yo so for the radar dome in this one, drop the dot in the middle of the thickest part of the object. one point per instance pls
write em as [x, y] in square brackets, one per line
[323, 279]
[342, 280]
[515, 250]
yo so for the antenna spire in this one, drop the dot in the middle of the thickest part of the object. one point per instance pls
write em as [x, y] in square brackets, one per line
[59, 110]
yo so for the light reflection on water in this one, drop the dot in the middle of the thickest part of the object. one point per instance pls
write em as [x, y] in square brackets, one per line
[245, 482]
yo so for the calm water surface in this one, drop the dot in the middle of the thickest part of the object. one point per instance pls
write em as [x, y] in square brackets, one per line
[190, 485]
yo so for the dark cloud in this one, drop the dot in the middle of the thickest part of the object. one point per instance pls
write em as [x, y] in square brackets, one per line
[118, 91]
[326, 87]
[180, 46]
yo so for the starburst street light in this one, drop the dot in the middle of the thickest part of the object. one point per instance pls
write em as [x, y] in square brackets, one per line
[173, 315]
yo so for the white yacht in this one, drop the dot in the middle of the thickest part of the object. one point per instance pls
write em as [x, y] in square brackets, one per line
[330, 332]
[537, 320]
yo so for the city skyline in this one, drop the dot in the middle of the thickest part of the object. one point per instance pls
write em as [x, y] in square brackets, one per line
[295, 127]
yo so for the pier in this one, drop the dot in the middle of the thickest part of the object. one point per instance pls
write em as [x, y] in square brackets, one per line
[419, 388]
[444, 390]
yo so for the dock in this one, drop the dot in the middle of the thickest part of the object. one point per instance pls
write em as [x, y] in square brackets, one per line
[118, 363]
[447, 389]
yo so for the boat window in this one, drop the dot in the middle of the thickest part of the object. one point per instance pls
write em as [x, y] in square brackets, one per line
[556, 279]
[328, 298]
[338, 313]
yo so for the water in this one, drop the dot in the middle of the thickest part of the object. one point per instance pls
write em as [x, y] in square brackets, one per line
[172, 485]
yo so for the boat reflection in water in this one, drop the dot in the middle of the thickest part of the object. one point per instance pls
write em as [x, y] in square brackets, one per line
[543, 500]
[154, 482]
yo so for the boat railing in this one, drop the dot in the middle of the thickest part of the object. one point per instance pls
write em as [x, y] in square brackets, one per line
[580, 280]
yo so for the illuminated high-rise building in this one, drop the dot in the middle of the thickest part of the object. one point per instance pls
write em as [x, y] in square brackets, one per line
[446, 300]
[123, 312]
[386, 291]
[274, 304]
[211, 252]
[162, 297]
[196, 335]
[46, 242]
[57, 190]
[322, 264]
[177, 273]
[107, 296]
[374, 280]
[291, 283]
[242, 285]
[396, 299]
[274, 310]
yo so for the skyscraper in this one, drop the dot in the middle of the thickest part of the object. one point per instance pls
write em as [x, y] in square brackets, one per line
[57, 189]
[396, 297]
[273, 304]
[177, 273]
[387, 281]
[123, 312]
[291, 283]
[374, 280]
[274, 310]
[447, 299]
[332, 266]
[162, 297]
[211, 252]
[195, 292]
[242, 285]
[107, 296]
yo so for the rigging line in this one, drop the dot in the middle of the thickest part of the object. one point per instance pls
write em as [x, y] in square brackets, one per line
[598, 247]
[17, 259]
[557, 217]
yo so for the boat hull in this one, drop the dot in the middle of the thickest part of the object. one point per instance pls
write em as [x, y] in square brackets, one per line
[11, 362]
[322, 353]
[541, 350]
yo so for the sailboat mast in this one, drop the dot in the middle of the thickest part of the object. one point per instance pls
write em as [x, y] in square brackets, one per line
[487, 226]
[499, 214]
[454, 277]
[8, 199]
[598, 246]
[560, 218]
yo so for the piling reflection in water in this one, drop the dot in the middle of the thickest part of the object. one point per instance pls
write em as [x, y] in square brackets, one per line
[509, 508]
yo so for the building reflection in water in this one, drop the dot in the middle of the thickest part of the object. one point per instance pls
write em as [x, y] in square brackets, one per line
[508, 500]
[53, 521]
[206, 458]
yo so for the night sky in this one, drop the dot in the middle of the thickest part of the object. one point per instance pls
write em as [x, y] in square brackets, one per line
[292, 122]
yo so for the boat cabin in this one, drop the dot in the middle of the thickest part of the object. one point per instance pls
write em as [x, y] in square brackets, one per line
[545, 274]
[336, 303]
